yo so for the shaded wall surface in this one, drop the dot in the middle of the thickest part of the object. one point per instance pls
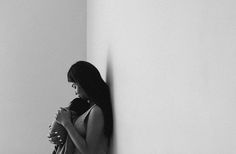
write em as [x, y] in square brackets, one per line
[171, 66]
[39, 40]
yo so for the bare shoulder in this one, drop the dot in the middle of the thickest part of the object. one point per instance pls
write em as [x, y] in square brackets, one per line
[96, 113]
[96, 119]
[95, 128]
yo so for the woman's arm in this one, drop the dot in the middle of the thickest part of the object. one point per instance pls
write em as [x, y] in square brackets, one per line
[95, 129]
[79, 142]
[94, 133]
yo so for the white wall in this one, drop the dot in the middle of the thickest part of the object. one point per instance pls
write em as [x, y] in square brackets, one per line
[39, 40]
[171, 65]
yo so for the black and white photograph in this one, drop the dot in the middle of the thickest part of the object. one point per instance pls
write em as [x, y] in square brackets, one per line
[117, 77]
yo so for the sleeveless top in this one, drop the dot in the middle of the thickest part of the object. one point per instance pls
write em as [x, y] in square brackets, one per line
[81, 127]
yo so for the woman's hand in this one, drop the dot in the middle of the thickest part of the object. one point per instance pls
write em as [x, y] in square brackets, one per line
[63, 116]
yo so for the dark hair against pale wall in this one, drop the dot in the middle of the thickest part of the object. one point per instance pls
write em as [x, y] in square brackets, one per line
[98, 91]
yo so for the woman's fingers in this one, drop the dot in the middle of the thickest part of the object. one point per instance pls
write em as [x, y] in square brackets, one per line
[63, 109]
[58, 113]
[63, 115]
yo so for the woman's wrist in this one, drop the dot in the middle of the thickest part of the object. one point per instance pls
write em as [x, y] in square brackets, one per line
[66, 124]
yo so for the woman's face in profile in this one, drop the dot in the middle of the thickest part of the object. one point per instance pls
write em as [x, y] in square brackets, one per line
[79, 91]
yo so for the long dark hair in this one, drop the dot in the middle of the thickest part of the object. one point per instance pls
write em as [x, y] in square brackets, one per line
[97, 90]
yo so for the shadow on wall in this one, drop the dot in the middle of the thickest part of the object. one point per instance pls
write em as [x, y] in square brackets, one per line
[109, 80]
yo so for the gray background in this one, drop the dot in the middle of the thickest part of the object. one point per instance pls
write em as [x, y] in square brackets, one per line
[170, 65]
[39, 40]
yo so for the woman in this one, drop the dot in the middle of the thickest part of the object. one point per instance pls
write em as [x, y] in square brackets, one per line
[92, 131]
